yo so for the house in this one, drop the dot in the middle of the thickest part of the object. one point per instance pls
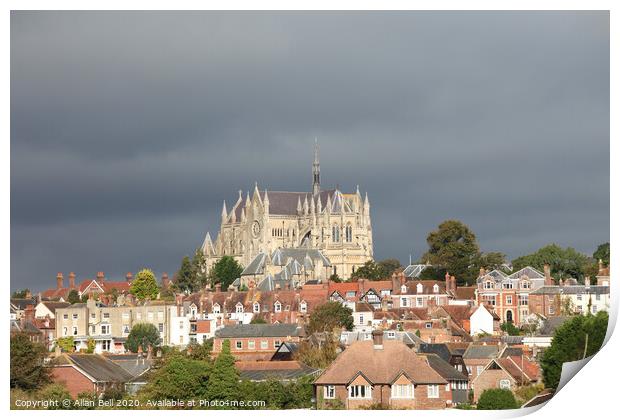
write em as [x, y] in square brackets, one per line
[508, 372]
[286, 351]
[484, 320]
[47, 308]
[201, 330]
[478, 356]
[542, 337]
[381, 372]
[451, 353]
[91, 373]
[458, 381]
[411, 340]
[19, 305]
[345, 291]
[281, 370]
[569, 296]
[99, 286]
[363, 316]
[422, 293]
[256, 341]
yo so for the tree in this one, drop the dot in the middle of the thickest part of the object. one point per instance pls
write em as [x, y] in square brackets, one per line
[497, 399]
[318, 357]
[179, 378]
[199, 267]
[59, 394]
[453, 248]
[142, 334]
[73, 297]
[20, 294]
[66, 343]
[577, 338]
[186, 277]
[225, 271]
[509, 328]
[377, 270]
[200, 351]
[564, 262]
[144, 285]
[258, 320]
[602, 254]
[27, 369]
[224, 379]
[328, 316]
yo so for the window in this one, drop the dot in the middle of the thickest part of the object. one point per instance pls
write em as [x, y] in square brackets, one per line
[238, 345]
[106, 345]
[105, 329]
[433, 391]
[391, 334]
[509, 300]
[479, 369]
[93, 316]
[350, 294]
[403, 289]
[75, 316]
[429, 325]
[161, 327]
[361, 319]
[504, 384]
[303, 307]
[360, 391]
[488, 285]
[93, 330]
[419, 288]
[403, 302]
[65, 316]
[579, 297]
[125, 315]
[239, 308]
[402, 391]
[335, 234]
[277, 307]
[348, 233]
[551, 310]
[216, 309]
[160, 315]
[125, 329]
[264, 344]
[193, 328]
[276, 343]
[256, 307]
[579, 308]
[594, 309]
[419, 302]
[106, 315]
[329, 392]
[523, 300]
[251, 345]
[64, 331]
[468, 370]
[435, 289]
[74, 330]
[507, 285]
[139, 315]
[598, 297]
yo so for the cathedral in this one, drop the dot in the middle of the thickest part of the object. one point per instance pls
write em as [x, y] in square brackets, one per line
[267, 225]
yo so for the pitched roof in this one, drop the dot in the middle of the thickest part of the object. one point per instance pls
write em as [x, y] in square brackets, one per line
[427, 287]
[22, 303]
[445, 369]
[414, 270]
[379, 366]
[98, 367]
[53, 305]
[278, 369]
[466, 292]
[529, 272]
[477, 351]
[259, 330]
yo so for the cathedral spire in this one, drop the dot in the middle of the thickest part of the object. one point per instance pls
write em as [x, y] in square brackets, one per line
[316, 170]
[224, 212]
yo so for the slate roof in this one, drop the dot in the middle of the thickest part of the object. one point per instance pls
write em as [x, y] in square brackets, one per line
[21, 304]
[445, 369]
[53, 305]
[96, 366]
[544, 396]
[476, 351]
[132, 363]
[259, 330]
[440, 350]
[379, 366]
[528, 271]
[551, 324]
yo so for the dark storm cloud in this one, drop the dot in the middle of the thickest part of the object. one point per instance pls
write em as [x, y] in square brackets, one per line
[129, 129]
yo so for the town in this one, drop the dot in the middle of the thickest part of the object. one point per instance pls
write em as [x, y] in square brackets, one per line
[287, 308]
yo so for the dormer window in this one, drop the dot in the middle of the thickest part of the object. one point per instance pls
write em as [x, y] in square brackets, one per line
[420, 288]
[403, 289]
[216, 308]
[435, 289]
[488, 284]
[303, 307]
[239, 308]
[256, 307]
[277, 307]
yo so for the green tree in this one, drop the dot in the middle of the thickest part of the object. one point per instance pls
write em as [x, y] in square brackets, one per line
[27, 369]
[73, 297]
[66, 343]
[20, 294]
[90, 345]
[258, 320]
[178, 378]
[372, 270]
[144, 286]
[453, 248]
[579, 337]
[509, 328]
[225, 271]
[142, 334]
[564, 262]
[199, 267]
[224, 379]
[328, 316]
[58, 393]
[200, 351]
[602, 254]
[318, 357]
[186, 277]
[497, 399]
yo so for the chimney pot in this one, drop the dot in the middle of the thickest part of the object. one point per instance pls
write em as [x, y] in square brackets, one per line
[72, 280]
[129, 277]
[377, 339]
[100, 276]
[59, 278]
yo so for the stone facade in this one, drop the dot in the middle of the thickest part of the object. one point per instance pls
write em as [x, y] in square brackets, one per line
[335, 223]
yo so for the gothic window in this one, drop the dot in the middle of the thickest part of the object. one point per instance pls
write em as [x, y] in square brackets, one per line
[335, 233]
[420, 288]
[348, 233]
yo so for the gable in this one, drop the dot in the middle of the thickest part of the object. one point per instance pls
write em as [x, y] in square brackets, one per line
[359, 379]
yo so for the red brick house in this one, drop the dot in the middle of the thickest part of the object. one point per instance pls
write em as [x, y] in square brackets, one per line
[506, 373]
[256, 341]
[384, 373]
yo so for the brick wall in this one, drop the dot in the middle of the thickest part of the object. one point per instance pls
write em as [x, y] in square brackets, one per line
[72, 379]
[489, 379]
[381, 394]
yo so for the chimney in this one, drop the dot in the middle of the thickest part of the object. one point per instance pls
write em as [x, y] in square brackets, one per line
[218, 287]
[447, 278]
[453, 284]
[587, 281]
[377, 340]
[29, 313]
[59, 281]
[100, 276]
[129, 277]
[547, 269]
[72, 280]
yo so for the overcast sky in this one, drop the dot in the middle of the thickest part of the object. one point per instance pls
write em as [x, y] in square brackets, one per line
[128, 130]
